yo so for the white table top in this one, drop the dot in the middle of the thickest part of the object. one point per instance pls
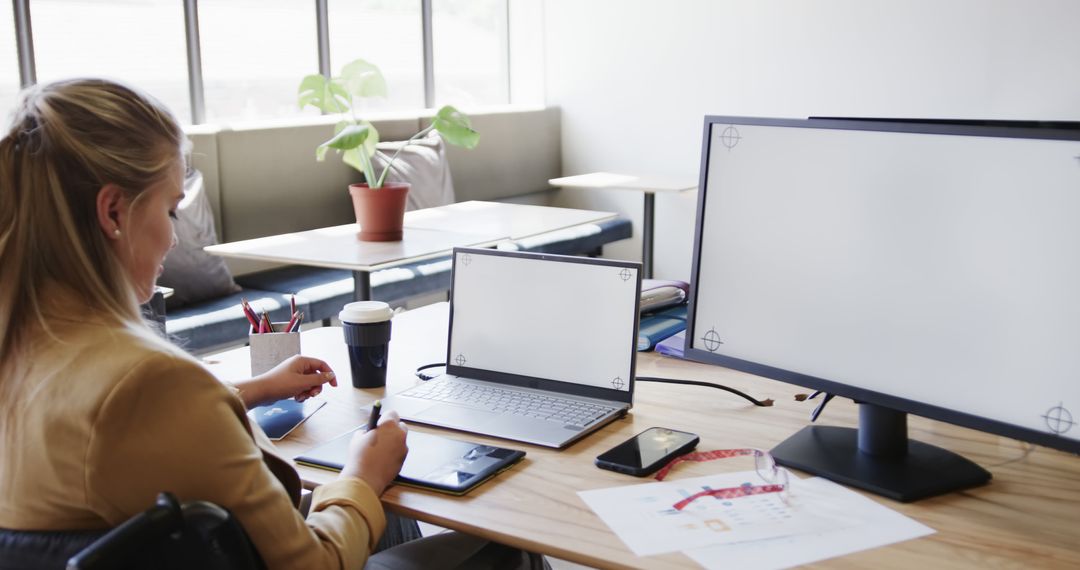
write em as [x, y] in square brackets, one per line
[516, 221]
[623, 182]
[428, 233]
[338, 247]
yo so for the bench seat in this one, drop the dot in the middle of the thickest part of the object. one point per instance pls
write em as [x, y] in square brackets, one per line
[327, 290]
[220, 321]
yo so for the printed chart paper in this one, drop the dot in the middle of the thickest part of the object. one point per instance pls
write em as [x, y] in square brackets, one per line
[643, 517]
[877, 526]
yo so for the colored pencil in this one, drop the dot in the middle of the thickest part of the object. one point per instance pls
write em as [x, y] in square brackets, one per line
[249, 314]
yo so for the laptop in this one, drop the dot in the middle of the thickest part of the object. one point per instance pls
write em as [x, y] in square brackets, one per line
[542, 348]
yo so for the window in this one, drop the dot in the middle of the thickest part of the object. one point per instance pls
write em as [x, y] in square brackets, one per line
[141, 43]
[470, 39]
[254, 54]
[9, 64]
[387, 33]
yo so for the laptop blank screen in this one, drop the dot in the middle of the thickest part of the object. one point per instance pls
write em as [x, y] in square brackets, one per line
[548, 317]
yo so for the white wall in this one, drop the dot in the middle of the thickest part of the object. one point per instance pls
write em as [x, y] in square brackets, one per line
[634, 78]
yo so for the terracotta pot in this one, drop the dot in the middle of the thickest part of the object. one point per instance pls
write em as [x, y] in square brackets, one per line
[379, 212]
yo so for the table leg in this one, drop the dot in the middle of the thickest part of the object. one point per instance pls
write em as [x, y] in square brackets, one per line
[647, 236]
[361, 286]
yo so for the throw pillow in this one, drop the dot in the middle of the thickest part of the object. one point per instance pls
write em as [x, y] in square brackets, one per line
[194, 274]
[422, 164]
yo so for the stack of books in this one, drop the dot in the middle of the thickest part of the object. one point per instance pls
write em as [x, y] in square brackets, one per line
[663, 311]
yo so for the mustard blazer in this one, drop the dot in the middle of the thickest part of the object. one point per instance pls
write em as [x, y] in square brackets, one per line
[107, 419]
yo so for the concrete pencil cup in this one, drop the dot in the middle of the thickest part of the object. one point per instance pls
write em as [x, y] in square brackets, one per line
[270, 349]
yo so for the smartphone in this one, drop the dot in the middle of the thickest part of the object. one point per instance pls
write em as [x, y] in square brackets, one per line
[647, 452]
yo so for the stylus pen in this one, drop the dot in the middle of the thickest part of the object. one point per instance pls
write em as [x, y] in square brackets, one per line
[373, 419]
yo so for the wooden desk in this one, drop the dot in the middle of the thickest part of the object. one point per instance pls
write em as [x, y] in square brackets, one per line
[428, 233]
[650, 187]
[1028, 516]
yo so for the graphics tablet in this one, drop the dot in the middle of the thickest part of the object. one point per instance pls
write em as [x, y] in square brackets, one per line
[434, 462]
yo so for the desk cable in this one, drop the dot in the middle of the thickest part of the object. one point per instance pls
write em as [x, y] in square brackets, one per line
[821, 405]
[764, 403]
[425, 377]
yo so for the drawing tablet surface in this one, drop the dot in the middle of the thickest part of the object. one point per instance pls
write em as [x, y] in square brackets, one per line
[434, 462]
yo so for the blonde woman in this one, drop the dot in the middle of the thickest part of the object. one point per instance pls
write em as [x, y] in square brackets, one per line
[98, 414]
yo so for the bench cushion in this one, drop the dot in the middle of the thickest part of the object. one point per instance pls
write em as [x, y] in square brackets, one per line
[327, 290]
[323, 290]
[220, 321]
[192, 273]
[586, 238]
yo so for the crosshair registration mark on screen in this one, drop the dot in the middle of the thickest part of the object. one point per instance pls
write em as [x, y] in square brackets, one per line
[730, 137]
[1058, 419]
[712, 340]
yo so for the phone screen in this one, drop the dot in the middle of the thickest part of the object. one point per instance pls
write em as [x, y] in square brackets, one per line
[649, 449]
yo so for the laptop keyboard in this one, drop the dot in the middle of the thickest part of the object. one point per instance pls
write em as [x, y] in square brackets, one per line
[525, 404]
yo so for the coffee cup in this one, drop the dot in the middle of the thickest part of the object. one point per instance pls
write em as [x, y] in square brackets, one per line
[367, 336]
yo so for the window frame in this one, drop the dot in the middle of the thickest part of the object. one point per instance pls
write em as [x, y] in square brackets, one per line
[196, 91]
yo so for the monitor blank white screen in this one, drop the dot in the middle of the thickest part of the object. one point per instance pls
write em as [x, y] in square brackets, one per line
[942, 269]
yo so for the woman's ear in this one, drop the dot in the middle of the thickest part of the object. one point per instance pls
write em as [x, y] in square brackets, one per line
[112, 207]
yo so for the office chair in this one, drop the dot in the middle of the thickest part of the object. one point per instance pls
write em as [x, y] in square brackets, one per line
[196, 535]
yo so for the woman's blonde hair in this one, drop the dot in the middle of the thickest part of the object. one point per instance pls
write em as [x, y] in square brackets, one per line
[67, 140]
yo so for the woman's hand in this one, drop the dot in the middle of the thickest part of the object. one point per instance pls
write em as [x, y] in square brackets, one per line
[376, 456]
[299, 377]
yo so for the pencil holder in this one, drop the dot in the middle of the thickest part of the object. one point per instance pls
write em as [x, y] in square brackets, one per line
[270, 349]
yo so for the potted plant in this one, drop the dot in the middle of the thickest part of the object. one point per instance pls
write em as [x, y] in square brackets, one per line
[379, 205]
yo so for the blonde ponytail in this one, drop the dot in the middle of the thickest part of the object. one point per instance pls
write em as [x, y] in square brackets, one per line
[66, 141]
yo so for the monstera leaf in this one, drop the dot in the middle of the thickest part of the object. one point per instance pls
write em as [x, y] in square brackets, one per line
[455, 128]
[362, 79]
[325, 94]
[356, 138]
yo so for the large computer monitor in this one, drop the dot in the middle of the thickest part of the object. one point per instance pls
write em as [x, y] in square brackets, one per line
[917, 268]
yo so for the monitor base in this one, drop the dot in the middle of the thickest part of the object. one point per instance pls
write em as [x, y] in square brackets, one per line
[924, 471]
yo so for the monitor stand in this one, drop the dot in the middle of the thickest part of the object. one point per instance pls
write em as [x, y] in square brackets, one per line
[879, 457]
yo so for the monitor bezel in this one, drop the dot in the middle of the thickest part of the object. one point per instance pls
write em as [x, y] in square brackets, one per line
[1017, 129]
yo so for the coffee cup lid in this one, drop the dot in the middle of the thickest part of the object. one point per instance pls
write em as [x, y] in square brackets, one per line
[361, 312]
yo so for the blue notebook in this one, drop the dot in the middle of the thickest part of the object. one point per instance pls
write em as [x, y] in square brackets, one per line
[281, 417]
[659, 325]
[672, 345]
